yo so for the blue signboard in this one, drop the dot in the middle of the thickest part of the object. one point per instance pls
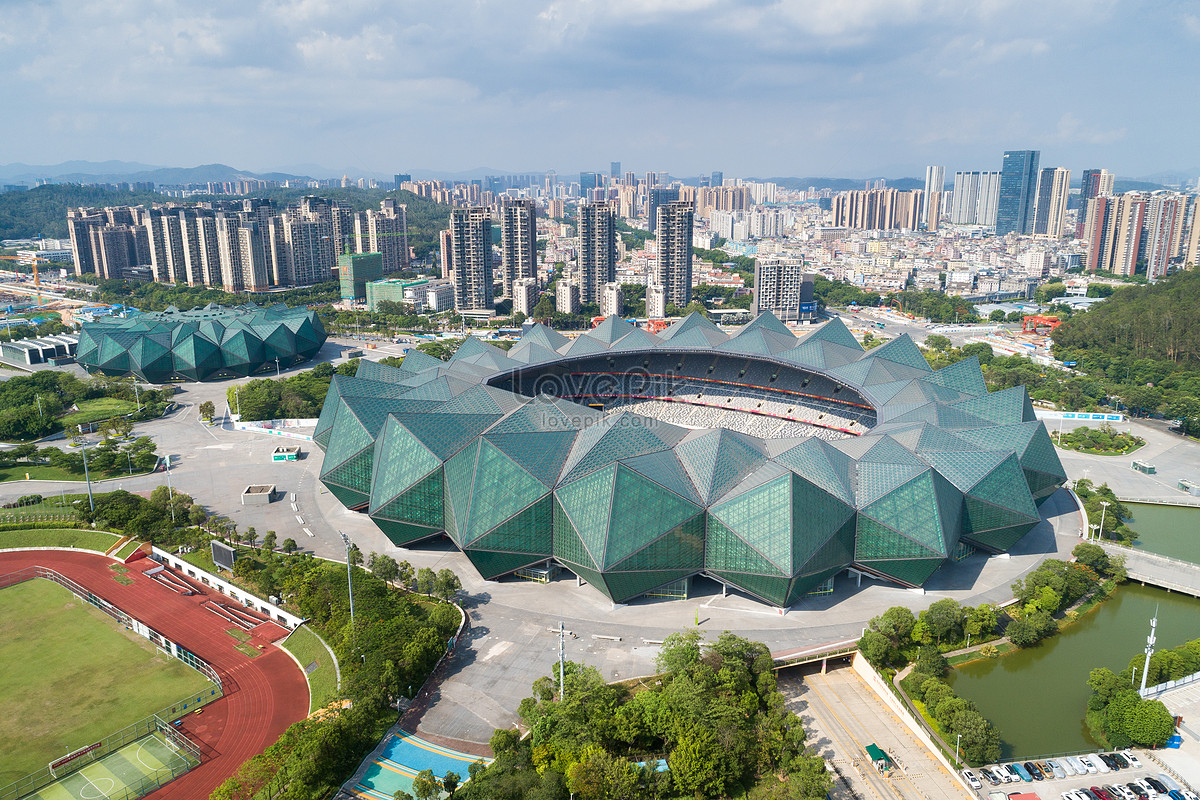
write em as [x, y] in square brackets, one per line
[808, 308]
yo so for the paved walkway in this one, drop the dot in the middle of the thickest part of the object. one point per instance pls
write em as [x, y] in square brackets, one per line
[1175, 457]
[1163, 571]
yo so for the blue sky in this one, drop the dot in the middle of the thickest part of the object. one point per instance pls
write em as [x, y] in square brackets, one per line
[750, 87]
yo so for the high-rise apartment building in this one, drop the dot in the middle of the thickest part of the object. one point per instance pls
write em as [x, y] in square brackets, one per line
[525, 296]
[597, 249]
[518, 242]
[1095, 183]
[656, 197]
[1018, 187]
[1163, 239]
[1050, 203]
[975, 197]
[566, 296]
[782, 287]
[355, 271]
[877, 209]
[673, 268]
[384, 232]
[1114, 231]
[935, 182]
[612, 300]
[471, 258]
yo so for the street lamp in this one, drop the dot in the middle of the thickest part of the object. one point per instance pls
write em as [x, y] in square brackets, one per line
[349, 574]
[1103, 511]
[276, 366]
[957, 742]
[1094, 528]
[170, 492]
[88, 478]
[237, 399]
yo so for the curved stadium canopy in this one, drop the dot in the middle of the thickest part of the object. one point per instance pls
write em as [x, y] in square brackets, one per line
[202, 344]
[865, 459]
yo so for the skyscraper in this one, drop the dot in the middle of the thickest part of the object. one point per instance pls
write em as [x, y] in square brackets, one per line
[597, 249]
[673, 269]
[974, 198]
[1050, 204]
[1095, 183]
[614, 170]
[658, 196]
[471, 258]
[1114, 231]
[935, 182]
[518, 242]
[1018, 186]
[718, 179]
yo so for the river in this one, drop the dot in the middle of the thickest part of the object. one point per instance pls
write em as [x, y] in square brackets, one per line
[1167, 530]
[1037, 697]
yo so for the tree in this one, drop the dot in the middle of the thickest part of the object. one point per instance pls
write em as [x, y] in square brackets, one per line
[876, 648]
[290, 546]
[404, 574]
[385, 568]
[425, 786]
[1149, 723]
[446, 584]
[402, 795]
[944, 619]
[980, 740]
[938, 342]
[997, 316]
[269, 541]
[981, 620]
[450, 782]
[896, 624]
[250, 536]
[207, 410]
[1047, 292]
[679, 652]
[355, 555]
[426, 580]
[695, 763]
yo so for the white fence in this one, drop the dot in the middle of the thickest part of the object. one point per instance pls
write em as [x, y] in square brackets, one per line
[277, 427]
[1152, 692]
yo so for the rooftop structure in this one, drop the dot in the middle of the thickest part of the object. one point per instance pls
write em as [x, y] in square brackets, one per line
[635, 460]
[202, 344]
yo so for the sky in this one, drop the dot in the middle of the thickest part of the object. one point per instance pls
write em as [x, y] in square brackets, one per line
[762, 88]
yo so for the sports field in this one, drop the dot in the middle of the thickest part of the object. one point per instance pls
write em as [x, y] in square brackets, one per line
[149, 759]
[73, 675]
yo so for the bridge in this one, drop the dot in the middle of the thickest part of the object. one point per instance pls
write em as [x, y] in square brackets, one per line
[1171, 574]
[823, 653]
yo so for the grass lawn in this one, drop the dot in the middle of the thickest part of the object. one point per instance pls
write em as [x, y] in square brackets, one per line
[97, 409]
[308, 649]
[37, 472]
[99, 541]
[72, 676]
[128, 549]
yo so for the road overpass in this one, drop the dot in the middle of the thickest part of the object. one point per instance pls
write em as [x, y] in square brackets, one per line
[1171, 574]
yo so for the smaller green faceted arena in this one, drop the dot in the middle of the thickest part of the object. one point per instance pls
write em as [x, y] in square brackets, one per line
[759, 459]
[71, 676]
[202, 344]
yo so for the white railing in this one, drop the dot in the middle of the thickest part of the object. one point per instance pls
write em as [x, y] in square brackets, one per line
[1152, 692]
[232, 591]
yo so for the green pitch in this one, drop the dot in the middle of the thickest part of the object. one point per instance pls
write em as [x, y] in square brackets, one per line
[73, 675]
[145, 763]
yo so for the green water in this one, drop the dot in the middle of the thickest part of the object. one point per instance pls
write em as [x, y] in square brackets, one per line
[1167, 530]
[1037, 697]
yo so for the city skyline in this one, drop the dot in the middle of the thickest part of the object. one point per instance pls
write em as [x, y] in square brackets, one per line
[260, 86]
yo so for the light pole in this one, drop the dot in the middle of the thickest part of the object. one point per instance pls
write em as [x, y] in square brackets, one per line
[1094, 528]
[137, 395]
[170, 492]
[237, 399]
[957, 742]
[39, 402]
[1104, 510]
[129, 458]
[88, 478]
[349, 574]
[276, 366]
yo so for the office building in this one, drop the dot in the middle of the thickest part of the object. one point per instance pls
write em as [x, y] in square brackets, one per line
[566, 296]
[877, 209]
[782, 288]
[597, 249]
[1050, 204]
[355, 271]
[612, 300]
[518, 242]
[525, 296]
[717, 179]
[471, 258]
[673, 268]
[1095, 183]
[402, 178]
[1018, 187]
[935, 182]
[614, 170]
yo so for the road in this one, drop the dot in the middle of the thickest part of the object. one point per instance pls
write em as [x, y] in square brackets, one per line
[843, 715]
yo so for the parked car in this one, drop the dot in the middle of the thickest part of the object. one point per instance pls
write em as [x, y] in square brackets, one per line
[1116, 762]
[1150, 791]
[1001, 774]
[1132, 759]
[1021, 771]
[1122, 791]
[1089, 766]
[1138, 790]
[1169, 782]
[971, 779]
[1158, 785]
[1047, 773]
[989, 776]
[1100, 793]
[1101, 766]
[1014, 776]
[1058, 769]
[1175, 794]
[1032, 769]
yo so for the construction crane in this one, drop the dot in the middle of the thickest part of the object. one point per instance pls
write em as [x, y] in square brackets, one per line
[37, 279]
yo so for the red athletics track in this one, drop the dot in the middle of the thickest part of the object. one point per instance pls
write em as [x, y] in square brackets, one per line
[263, 695]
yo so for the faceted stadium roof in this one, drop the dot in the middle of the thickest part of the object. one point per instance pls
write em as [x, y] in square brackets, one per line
[514, 457]
[201, 344]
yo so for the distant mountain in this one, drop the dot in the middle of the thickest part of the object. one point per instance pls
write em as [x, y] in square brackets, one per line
[122, 171]
[844, 184]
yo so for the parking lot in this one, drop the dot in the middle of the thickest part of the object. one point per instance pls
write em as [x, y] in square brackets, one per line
[1048, 789]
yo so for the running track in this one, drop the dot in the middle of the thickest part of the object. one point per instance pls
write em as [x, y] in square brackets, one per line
[263, 696]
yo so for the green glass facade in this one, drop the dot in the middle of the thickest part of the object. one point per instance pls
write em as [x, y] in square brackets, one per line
[631, 504]
[202, 344]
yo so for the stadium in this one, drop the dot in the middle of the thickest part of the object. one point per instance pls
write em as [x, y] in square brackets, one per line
[764, 461]
[202, 344]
